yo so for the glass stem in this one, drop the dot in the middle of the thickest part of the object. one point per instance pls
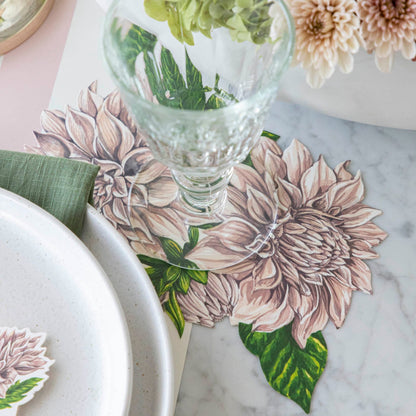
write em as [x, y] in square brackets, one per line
[203, 194]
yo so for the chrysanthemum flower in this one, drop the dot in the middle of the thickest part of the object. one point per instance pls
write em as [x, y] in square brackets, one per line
[327, 35]
[388, 26]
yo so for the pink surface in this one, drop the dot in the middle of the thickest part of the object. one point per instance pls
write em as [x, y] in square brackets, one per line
[27, 77]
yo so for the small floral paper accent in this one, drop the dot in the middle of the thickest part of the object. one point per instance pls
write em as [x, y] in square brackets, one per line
[23, 366]
[282, 297]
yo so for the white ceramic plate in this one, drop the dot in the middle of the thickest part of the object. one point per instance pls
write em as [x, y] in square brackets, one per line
[153, 383]
[51, 283]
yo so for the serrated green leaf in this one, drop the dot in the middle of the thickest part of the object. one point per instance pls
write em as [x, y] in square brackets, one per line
[172, 250]
[289, 369]
[173, 309]
[18, 391]
[193, 76]
[182, 284]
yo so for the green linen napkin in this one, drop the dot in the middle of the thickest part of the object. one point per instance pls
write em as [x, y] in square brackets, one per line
[60, 186]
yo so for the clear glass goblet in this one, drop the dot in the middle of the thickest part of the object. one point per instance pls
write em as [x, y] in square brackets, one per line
[198, 77]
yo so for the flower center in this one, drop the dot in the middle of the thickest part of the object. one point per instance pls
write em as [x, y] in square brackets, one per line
[321, 22]
[314, 244]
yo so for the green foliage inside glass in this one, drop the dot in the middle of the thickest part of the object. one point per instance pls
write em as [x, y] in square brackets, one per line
[289, 369]
[166, 81]
[18, 391]
[170, 279]
[246, 20]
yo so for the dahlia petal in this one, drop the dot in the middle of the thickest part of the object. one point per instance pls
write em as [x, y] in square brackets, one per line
[166, 222]
[140, 162]
[266, 274]
[275, 318]
[113, 103]
[54, 145]
[358, 215]
[259, 152]
[162, 191]
[344, 194]
[298, 159]
[343, 276]
[274, 165]
[81, 129]
[88, 101]
[114, 138]
[316, 180]
[311, 316]
[338, 301]
[254, 304]
[288, 195]
[362, 250]
[342, 172]
[361, 275]
[260, 207]
[369, 232]
[244, 176]
[52, 122]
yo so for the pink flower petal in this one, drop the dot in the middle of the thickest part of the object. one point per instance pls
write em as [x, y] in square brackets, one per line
[338, 301]
[288, 195]
[316, 180]
[52, 122]
[357, 215]
[260, 207]
[264, 153]
[298, 159]
[81, 129]
[88, 101]
[310, 316]
[342, 172]
[361, 275]
[369, 232]
[267, 274]
[245, 176]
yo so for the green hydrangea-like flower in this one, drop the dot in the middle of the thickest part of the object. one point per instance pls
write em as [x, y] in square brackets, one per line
[245, 19]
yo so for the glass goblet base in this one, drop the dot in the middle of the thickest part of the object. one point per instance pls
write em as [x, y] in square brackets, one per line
[213, 223]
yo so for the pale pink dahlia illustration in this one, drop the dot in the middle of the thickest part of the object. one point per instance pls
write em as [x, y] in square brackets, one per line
[327, 35]
[102, 132]
[388, 26]
[21, 353]
[210, 303]
[307, 271]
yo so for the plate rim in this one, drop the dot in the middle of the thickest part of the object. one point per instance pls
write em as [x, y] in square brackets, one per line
[71, 239]
[168, 400]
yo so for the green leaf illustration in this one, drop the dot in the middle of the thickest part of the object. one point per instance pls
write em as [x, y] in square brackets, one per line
[18, 391]
[183, 282]
[289, 369]
[270, 135]
[172, 250]
[200, 276]
[173, 309]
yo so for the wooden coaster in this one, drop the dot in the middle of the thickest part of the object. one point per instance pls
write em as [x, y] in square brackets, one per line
[23, 33]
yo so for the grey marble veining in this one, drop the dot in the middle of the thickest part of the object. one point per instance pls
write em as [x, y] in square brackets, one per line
[371, 368]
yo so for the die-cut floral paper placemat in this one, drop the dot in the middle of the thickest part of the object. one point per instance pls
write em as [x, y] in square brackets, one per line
[282, 297]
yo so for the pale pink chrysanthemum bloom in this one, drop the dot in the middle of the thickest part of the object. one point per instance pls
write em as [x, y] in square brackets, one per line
[307, 271]
[103, 133]
[327, 35]
[388, 26]
[21, 354]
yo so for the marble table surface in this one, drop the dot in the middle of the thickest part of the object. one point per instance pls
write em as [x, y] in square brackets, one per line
[371, 364]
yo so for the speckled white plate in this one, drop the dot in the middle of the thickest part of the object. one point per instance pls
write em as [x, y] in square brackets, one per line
[153, 374]
[50, 282]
